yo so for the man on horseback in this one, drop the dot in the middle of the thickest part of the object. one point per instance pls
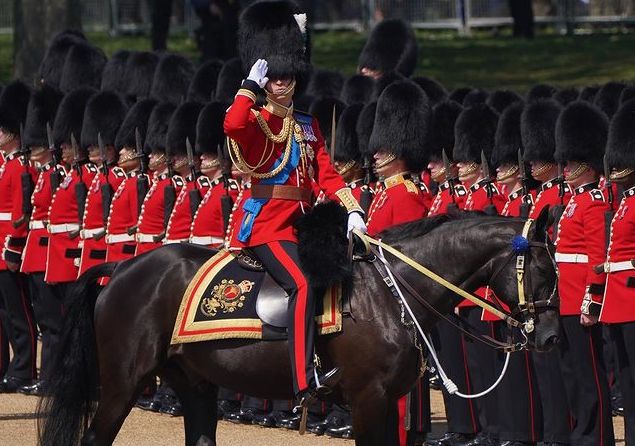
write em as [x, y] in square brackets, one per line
[283, 150]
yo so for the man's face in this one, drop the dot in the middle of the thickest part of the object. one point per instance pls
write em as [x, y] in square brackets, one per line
[5, 137]
[128, 160]
[437, 170]
[67, 154]
[383, 161]
[156, 161]
[469, 171]
[507, 173]
[209, 164]
[542, 171]
[375, 74]
[278, 86]
[39, 155]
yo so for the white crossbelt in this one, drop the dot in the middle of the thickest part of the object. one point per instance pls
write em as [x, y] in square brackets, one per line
[171, 241]
[146, 238]
[90, 233]
[119, 238]
[5, 216]
[64, 227]
[615, 267]
[36, 224]
[571, 258]
[206, 240]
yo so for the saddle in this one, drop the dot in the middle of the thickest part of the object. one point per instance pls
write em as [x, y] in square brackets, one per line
[232, 297]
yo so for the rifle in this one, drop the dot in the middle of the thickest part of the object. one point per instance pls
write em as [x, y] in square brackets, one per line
[56, 176]
[142, 179]
[490, 209]
[81, 191]
[26, 181]
[366, 197]
[226, 202]
[557, 210]
[169, 199]
[106, 188]
[451, 179]
[608, 215]
[524, 206]
[195, 194]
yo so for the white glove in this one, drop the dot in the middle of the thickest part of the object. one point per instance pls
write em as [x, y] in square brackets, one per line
[258, 73]
[355, 221]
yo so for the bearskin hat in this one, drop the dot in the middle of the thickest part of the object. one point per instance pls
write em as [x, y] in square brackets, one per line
[474, 132]
[50, 71]
[357, 89]
[499, 100]
[364, 127]
[620, 148]
[70, 115]
[203, 83]
[391, 46]
[209, 128]
[136, 118]
[346, 142]
[274, 31]
[384, 81]
[588, 93]
[581, 133]
[541, 91]
[441, 138]
[41, 111]
[474, 97]
[433, 89]
[507, 140]
[14, 102]
[627, 94]
[104, 114]
[402, 124]
[83, 66]
[567, 95]
[229, 81]
[182, 126]
[140, 68]
[113, 78]
[156, 136]
[608, 97]
[171, 78]
[458, 94]
[325, 83]
[322, 110]
[538, 129]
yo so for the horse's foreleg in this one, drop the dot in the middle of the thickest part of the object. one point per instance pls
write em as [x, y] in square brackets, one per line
[374, 418]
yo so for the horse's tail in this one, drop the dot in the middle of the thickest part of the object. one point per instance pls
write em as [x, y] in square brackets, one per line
[69, 402]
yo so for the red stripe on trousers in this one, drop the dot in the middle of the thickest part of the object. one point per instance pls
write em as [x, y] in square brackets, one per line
[597, 384]
[30, 323]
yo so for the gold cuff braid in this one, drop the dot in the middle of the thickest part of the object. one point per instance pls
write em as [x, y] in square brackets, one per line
[245, 92]
[346, 198]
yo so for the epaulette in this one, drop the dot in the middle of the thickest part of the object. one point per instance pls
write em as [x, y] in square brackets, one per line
[302, 117]
[411, 187]
[597, 195]
[91, 168]
[119, 172]
[178, 181]
[460, 190]
[204, 182]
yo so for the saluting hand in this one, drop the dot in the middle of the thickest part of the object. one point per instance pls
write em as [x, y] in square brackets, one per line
[258, 73]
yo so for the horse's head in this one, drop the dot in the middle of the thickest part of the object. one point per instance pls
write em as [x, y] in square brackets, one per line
[524, 276]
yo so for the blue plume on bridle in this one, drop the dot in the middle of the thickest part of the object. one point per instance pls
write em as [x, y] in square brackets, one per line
[520, 244]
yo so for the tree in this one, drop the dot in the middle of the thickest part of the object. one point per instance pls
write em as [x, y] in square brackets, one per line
[35, 22]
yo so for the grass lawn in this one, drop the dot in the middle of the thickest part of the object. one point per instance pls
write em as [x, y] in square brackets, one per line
[484, 61]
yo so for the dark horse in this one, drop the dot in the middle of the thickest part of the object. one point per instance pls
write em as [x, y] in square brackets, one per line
[122, 340]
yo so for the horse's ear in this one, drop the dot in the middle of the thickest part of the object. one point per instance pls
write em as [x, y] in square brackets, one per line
[542, 223]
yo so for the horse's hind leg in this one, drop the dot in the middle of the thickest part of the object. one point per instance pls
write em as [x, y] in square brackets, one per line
[375, 419]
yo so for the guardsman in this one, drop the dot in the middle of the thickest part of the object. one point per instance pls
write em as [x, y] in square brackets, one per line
[67, 205]
[581, 133]
[378, 57]
[618, 309]
[47, 301]
[282, 150]
[16, 180]
[538, 132]
[128, 198]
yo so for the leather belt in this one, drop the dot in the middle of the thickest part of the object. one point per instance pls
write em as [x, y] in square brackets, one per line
[571, 258]
[281, 192]
[171, 241]
[5, 216]
[146, 238]
[119, 238]
[91, 233]
[64, 227]
[615, 267]
[36, 224]
[206, 240]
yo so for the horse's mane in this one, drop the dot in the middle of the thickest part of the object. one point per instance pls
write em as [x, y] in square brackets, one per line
[421, 227]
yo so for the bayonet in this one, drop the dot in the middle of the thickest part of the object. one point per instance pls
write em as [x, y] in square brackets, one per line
[102, 155]
[190, 158]
[55, 175]
[561, 186]
[451, 179]
[525, 204]
[607, 180]
[486, 175]
[333, 130]
[139, 150]
[76, 157]
[26, 182]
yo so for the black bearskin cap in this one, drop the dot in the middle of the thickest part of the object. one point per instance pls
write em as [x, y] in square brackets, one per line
[322, 110]
[140, 68]
[357, 89]
[172, 76]
[229, 81]
[14, 102]
[203, 83]
[499, 100]
[50, 71]
[182, 126]
[620, 148]
[627, 94]
[581, 133]
[83, 66]
[567, 95]
[104, 113]
[474, 131]
[458, 94]
[402, 124]
[346, 143]
[364, 127]
[113, 78]
[433, 89]
[475, 97]
[42, 108]
[392, 45]
[588, 93]
[541, 91]
[156, 136]
[70, 115]
[444, 118]
[268, 30]
[137, 118]
[538, 129]
[324, 83]
[608, 97]
[209, 128]
[507, 140]
[385, 81]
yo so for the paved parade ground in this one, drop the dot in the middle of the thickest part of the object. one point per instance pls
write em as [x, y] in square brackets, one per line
[18, 428]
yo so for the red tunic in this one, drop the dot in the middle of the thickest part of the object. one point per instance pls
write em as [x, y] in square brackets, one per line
[180, 223]
[443, 199]
[208, 227]
[152, 221]
[275, 220]
[580, 246]
[549, 195]
[63, 221]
